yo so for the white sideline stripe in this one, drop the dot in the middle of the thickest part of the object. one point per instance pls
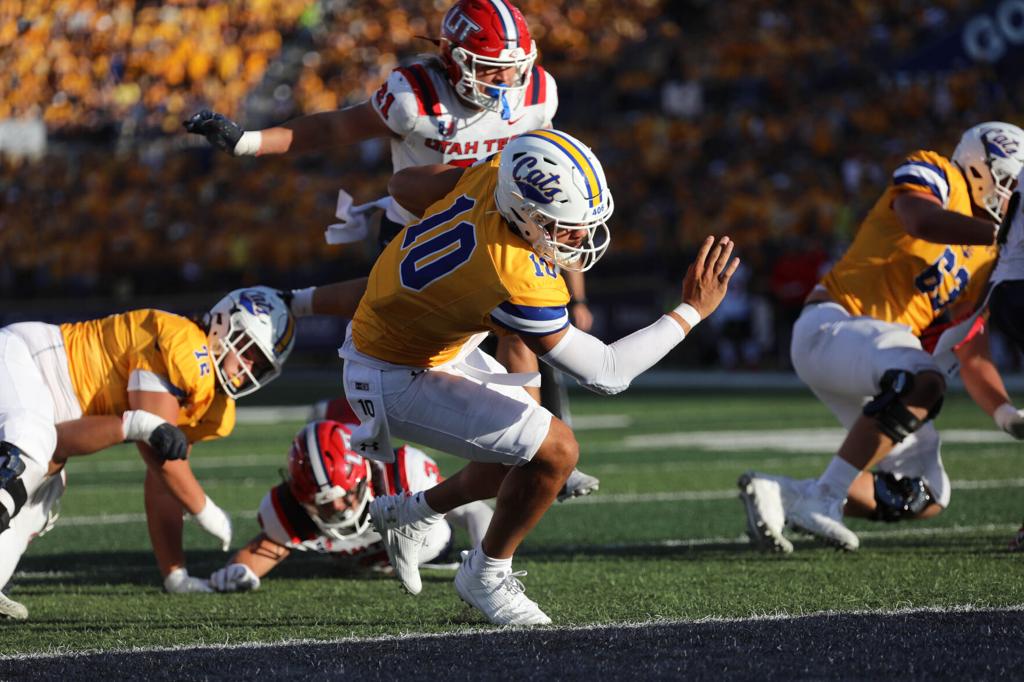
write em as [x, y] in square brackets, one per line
[600, 498]
[778, 616]
[823, 442]
[790, 440]
[289, 413]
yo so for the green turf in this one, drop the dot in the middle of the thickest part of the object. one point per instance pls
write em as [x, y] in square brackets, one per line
[623, 558]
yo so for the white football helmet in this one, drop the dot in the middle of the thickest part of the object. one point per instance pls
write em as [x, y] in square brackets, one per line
[550, 181]
[251, 333]
[991, 156]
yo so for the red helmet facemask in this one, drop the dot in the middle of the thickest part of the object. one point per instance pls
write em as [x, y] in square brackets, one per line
[487, 35]
[323, 469]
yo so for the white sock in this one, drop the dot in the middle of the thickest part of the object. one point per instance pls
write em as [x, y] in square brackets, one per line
[485, 564]
[838, 477]
[422, 510]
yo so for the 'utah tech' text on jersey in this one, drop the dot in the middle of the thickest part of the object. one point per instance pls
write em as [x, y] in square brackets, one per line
[147, 350]
[433, 125]
[285, 521]
[459, 271]
[894, 277]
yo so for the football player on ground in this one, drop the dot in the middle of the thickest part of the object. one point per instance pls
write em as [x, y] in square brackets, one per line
[323, 506]
[923, 254]
[158, 379]
[483, 259]
[465, 104]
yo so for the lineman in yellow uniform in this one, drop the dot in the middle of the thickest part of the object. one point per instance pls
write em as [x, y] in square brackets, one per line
[923, 255]
[147, 376]
[485, 257]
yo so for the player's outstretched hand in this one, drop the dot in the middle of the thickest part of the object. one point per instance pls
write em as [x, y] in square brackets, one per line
[216, 522]
[218, 129]
[707, 278]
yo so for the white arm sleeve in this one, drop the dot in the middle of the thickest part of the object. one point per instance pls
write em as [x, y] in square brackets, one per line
[608, 369]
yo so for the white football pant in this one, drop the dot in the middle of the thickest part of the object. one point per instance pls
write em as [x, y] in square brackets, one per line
[842, 359]
[35, 394]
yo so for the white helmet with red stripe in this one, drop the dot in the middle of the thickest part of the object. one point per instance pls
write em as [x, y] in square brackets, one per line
[330, 480]
[487, 34]
[991, 156]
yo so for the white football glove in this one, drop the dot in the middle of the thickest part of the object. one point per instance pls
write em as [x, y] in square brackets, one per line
[234, 578]
[1010, 419]
[179, 581]
[216, 522]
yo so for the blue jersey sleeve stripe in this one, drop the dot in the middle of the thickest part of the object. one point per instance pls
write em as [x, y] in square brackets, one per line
[533, 326]
[926, 174]
[532, 312]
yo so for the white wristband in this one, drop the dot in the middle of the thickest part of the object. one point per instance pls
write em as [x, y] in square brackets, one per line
[302, 302]
[249, 143]
[688, 313]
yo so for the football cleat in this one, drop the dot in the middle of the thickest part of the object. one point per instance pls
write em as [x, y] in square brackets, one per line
[499, 596]
[403, 536]
[577, 485]
[821, 515]
[1017, 543]
[762, 498]
[12, 609]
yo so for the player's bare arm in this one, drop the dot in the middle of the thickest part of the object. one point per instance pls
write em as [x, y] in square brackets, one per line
[305, 134]
[985, 385]
[416, 188]
[924, 218]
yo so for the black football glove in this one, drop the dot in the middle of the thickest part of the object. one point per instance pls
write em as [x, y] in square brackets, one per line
[169, 442]
[218, 129]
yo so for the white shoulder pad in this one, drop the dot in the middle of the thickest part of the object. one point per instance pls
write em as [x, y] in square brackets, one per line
[271, 524]
[398, 102]
[551, 103]
[421, 472]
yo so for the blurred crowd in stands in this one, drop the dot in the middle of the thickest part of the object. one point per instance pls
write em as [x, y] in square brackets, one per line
[775, 122]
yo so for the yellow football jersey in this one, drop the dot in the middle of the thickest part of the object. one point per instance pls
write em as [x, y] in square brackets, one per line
[889, 275]
[459, 271]
[103, 353]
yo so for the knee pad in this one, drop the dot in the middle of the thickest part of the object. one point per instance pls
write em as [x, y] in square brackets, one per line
[887, 408]
[12, 489]
[898, 499]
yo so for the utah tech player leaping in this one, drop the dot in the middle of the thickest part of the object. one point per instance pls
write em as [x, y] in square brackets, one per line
[924, 252]
[456, 108]
[483, 259]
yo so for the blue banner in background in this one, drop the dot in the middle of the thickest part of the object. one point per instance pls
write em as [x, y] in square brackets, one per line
[986, 36]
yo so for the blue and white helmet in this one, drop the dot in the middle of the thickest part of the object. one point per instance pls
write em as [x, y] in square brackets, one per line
[253, 330]
[550, 181]
[991, 156]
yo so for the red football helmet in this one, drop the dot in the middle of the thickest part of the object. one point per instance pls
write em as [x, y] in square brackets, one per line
[487, 34]
[331, 481]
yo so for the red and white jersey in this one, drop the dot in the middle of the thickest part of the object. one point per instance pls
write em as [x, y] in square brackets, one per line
[288, 523]
[433, 125]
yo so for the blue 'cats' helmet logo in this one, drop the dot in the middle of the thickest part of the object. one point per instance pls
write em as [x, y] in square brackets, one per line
[255, 302]
[536, 185]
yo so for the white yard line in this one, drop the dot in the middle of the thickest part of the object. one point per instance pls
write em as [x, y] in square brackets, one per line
[598, 499]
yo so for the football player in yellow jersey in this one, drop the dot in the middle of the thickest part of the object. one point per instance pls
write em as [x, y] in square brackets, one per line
[923, 254]
[147, 376]
[484, 257]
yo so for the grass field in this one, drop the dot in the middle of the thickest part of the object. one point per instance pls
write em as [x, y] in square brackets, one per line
[662, 540]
